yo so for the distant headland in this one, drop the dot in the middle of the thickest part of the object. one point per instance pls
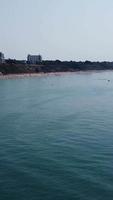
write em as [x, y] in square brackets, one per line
[35, 64]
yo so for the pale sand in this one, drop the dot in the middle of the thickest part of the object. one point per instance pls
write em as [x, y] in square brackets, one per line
[13, 76]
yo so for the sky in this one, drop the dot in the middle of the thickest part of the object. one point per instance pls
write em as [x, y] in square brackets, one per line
[57, 29]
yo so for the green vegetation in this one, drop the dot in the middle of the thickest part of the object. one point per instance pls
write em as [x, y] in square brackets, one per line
[18, 67]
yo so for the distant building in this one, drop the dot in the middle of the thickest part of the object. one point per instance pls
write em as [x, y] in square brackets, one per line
[2, 59]
[34, 59]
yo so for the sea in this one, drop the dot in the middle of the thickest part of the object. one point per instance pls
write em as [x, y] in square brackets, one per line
[56, 137]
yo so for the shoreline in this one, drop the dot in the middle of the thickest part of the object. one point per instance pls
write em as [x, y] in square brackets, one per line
[27, 75]
[11, 76]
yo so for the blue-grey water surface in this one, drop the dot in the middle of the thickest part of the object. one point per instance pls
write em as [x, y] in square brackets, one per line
[56, 137]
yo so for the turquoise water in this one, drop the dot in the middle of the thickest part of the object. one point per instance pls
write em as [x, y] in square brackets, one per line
[56, 137]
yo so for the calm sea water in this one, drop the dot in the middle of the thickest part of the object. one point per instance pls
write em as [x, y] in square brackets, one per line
[56, 137]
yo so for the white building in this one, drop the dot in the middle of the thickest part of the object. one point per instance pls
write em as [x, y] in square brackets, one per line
[34, 59]
[2, 59]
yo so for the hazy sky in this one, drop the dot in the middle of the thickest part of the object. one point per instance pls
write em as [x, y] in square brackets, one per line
[57, 29]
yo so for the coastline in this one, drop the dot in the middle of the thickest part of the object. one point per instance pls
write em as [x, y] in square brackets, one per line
[17, 69]
[23, 75]
[27, 75]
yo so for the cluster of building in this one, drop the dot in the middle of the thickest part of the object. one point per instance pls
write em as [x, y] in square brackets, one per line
[31, 59]
[34, 59]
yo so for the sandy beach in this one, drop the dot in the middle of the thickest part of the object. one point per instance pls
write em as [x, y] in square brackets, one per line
[13, 76]
[27, 75]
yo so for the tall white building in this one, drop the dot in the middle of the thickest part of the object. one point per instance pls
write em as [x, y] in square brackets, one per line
[2, 59]
[34, 59]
